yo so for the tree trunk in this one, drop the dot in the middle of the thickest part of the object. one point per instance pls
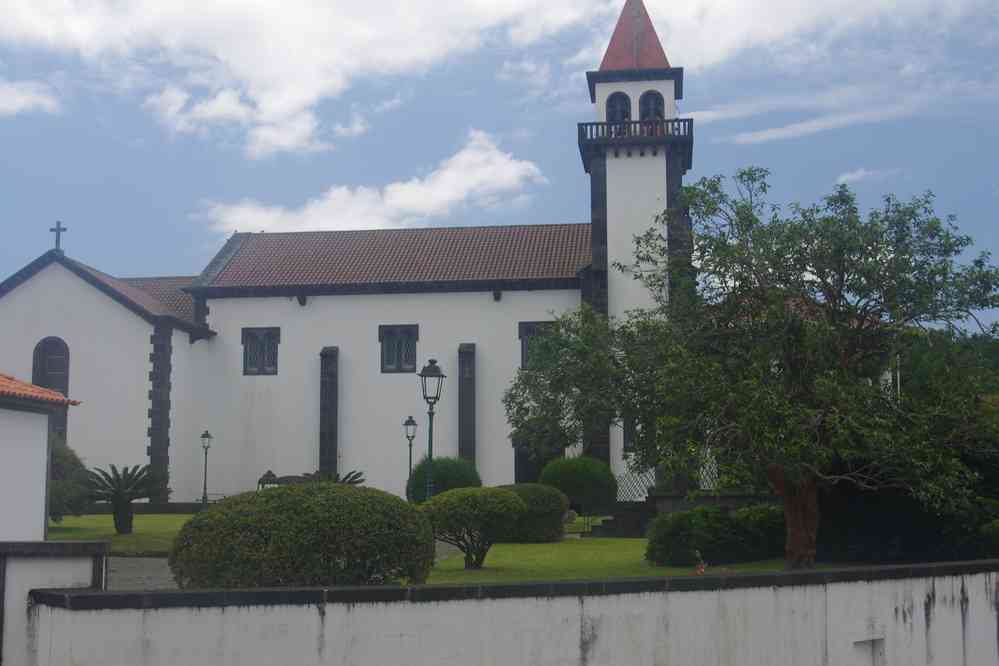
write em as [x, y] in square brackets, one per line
[123, 515]
[801, 514]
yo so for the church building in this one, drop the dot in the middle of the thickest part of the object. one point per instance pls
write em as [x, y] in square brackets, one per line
[299, 351]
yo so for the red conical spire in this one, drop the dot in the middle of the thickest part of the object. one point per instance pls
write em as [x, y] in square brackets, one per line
[635, 44]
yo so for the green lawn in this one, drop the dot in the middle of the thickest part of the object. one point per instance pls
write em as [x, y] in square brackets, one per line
[572, 559]
[151, 535]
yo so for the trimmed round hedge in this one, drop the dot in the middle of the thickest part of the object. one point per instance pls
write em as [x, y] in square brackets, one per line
[312, 534]
[473, 519]
[588, 483]
[744, 535]
[544, 519]
[449, 473]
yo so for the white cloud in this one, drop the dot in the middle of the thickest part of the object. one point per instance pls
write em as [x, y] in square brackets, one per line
[822, 124]
[834, 98]
[264, 67]
[480, 174]
[295, 133]
[226, 106]
[862, 174]
[358, 126]
[702, 33]
[26, 96]
[537, 76]
[280, 59]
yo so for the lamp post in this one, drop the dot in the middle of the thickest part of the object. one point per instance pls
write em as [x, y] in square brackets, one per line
[432, 383]
[409, 427]
[206, 443]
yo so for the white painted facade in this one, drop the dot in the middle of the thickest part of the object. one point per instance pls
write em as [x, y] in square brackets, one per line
[108, 360]
[944, 620]
[265, 423]
[23, 467]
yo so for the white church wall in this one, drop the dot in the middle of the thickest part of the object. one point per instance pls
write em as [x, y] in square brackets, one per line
[109, 361]
[24, 467]
[272, 422]
[634, 90]
[636, 194]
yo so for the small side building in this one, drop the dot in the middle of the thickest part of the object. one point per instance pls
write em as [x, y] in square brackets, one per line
[25, 411]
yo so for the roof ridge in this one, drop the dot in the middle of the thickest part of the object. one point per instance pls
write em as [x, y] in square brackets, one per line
[159, 277]
[256, 234]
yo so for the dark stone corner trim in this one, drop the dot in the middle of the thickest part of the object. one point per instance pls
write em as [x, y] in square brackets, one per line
[96, 600]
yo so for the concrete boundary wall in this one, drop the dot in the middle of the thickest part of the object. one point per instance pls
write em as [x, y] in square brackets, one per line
[29, 564]
[944, 614]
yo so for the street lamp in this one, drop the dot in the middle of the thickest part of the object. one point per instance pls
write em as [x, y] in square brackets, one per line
[432, 383]
[409, 427]
[206, 443]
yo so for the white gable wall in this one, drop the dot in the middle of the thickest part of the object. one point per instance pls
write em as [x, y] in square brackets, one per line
[262, 422]
[109, 360]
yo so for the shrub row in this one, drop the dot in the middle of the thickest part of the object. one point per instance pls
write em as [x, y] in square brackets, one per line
[448, 474]
[589, 483]
[715, 536]
[313, 534]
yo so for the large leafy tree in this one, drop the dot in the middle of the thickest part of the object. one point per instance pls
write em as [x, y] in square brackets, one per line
[776, 360]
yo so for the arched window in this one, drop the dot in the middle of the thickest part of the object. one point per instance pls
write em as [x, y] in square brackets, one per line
[618, 108]
[50, 369]
[652, 106]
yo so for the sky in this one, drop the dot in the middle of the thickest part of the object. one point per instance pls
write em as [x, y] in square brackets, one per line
[154, 130]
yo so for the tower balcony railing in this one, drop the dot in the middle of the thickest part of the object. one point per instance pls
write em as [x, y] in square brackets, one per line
[597, 138]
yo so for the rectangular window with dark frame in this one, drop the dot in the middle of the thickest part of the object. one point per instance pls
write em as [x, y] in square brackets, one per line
[260, 350]
[398, 343]
[527, 330]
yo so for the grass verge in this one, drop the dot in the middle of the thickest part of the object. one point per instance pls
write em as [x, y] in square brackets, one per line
[152, 535]
[572, 559]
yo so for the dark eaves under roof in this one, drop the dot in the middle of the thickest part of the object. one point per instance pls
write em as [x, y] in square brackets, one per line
[157, 300]
[440, 259]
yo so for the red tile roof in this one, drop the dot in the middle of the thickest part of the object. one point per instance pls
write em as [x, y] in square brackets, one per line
[167, 291]
[401, 256]
[635, 44]
[15, 388]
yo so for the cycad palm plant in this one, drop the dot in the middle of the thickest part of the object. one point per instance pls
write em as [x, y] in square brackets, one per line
[120, 488]
[352, 478]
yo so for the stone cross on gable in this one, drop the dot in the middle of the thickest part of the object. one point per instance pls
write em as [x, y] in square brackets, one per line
[58, 230]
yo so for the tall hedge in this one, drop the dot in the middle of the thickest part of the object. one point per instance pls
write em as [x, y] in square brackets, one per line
[588, 483]
[313, 534]
[715, 536]
[544, 519]
[448, 474]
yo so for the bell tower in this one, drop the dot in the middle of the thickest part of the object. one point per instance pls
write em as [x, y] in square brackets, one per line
[636, 154]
